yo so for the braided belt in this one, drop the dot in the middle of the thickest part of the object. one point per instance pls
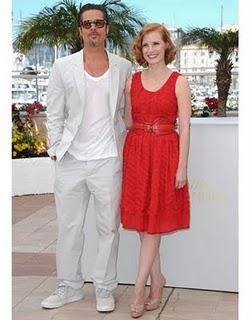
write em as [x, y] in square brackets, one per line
[154, 127]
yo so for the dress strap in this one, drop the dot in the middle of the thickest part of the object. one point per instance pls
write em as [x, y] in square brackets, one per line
[175, 75]
[135, 82]
[136, 77]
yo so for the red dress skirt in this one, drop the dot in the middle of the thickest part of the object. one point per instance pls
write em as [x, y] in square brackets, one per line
[149, 201]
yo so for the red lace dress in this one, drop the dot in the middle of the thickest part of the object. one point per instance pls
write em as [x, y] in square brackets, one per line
[149, 201]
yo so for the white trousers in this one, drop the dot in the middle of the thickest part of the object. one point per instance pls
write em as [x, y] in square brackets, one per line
[74, 183]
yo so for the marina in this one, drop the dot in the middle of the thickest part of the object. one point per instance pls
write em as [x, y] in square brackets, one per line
[27, 88]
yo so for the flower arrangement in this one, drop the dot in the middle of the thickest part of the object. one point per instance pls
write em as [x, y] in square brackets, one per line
[26, 140]
[33, 108]
[211, 107]
[212, 103]
[28, 110]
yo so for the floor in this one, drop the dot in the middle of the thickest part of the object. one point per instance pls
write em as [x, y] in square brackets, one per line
[34, 277]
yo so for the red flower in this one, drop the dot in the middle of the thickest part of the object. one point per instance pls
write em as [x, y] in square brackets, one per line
[33, 108]
[212, 103]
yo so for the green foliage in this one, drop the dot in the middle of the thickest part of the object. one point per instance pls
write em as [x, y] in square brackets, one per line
[224, 43]
[58, 26]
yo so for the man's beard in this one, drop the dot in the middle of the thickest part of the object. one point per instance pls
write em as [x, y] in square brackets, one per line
[93, 43]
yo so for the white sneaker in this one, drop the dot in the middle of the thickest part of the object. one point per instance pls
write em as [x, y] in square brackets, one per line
[61, 296]
[105, 301]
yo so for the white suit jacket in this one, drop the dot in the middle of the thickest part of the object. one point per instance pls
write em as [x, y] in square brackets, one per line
[66, 100]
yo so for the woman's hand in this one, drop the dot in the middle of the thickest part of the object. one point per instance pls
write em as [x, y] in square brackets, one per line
[180, 178]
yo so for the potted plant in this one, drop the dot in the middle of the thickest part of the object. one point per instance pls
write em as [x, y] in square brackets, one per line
[26, 139]
[33, 171]
[211, 107]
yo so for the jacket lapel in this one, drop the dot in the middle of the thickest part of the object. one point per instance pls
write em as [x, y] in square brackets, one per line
[78, 70]
[114, 84]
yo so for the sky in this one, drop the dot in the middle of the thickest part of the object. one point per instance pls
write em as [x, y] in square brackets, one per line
[175, 13]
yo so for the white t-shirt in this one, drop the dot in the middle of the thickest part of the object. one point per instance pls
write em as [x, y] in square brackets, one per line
[95, 138]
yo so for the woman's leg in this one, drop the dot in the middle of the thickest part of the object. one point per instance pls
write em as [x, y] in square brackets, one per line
[157, 279]
[148, 252]
[155, 271]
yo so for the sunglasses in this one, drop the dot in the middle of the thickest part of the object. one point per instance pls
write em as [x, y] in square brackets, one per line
[99, 23]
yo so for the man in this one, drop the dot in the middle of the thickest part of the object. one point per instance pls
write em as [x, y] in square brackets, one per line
[86, 133]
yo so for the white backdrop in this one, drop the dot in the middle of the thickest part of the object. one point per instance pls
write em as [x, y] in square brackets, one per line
[205, 256]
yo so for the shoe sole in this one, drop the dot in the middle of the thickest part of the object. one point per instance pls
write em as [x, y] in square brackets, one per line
[73, 299]
[105, 309]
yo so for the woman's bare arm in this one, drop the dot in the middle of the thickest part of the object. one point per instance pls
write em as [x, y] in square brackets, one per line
[184, 113]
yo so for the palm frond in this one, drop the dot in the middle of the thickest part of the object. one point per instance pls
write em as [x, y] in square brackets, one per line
[51, 26]
[56, 25]
[224, 43]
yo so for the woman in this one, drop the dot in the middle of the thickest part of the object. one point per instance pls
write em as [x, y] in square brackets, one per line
[155, 197]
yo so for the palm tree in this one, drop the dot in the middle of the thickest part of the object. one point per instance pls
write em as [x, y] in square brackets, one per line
[224, 43]
[57, 26]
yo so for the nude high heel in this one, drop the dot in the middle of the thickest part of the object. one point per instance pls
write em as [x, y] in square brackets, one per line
[153, 304]
[136, 311]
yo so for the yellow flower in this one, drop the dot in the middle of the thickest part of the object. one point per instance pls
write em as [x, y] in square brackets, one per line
[25, 146]
[26, 138]
[18, 147]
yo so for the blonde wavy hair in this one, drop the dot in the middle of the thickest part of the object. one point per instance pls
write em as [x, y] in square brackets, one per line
[137, 43]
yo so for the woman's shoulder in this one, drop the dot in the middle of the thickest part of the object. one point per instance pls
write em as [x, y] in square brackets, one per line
[133, 80]
[178, 75]
[179, 78]
[182, 84]
[137, 74]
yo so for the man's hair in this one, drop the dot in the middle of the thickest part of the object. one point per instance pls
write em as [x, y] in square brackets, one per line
[92, 6]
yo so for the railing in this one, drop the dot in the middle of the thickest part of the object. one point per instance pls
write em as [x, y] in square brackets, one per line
[27, 88]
